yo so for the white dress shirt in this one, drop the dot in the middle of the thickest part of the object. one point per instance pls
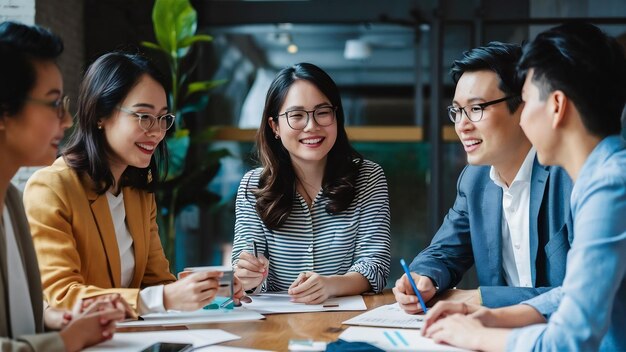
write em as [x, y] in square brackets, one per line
[20, 307]
[150, 298]
[515, 224]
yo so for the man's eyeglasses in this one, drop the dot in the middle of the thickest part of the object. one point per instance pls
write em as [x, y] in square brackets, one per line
[61, 105]
[299, 119]
[147, 121]
[475, 113]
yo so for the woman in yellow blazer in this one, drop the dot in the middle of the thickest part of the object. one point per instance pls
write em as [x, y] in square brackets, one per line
[93, 214]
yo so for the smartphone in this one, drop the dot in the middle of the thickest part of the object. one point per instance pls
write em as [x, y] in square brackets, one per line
[168, 347]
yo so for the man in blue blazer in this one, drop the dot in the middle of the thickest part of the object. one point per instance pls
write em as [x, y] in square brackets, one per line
[511, 216]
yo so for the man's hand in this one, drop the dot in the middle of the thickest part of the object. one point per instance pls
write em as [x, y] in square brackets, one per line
[405, 296]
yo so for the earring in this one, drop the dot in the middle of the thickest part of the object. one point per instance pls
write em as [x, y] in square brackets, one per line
[276, 135]
[149, 178]
[99, 127]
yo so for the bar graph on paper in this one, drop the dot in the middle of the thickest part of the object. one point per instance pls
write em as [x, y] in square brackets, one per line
[389, 316]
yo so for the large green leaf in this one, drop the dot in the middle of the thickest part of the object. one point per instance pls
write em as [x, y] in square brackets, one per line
[177, 146]
[174, 21]
[186, 42]
[203, 86]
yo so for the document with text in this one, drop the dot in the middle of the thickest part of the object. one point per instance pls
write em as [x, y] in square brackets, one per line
[391, 316]
[394, 340]
[272, 303]
[200, 316]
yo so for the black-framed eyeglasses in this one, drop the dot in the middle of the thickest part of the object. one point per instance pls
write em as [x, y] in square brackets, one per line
[299, 119]
[475, 113]
[147, 121]
[61, 105]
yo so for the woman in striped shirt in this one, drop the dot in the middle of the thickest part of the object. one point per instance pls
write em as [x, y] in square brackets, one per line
[316, 211]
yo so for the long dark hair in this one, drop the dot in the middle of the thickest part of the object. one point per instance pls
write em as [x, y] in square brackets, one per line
[277, 180]
[106, 84]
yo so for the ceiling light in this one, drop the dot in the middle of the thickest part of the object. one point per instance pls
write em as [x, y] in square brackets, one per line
[357, 49]
[292, 48]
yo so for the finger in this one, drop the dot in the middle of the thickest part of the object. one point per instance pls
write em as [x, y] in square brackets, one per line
[297, 281]
[308, 297]
[309, 290]
[249, 259]
[245, 273]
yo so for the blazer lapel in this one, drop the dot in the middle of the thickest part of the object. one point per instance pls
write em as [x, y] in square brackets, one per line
[102, 217]
[537, 187]
[493, 217]
[135, 219]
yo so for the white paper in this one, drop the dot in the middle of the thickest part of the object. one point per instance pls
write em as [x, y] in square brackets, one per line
[390, 316]
[201, 316]
[394, 339]
[136, 341]
[269, 303]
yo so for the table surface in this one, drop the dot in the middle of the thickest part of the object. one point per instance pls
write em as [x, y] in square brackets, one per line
[275, 331]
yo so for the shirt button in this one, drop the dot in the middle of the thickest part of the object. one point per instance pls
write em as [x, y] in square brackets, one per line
[517, 246]
[310, 249]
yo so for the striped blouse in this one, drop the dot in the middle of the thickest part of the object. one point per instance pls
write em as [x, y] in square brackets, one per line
[355, 240]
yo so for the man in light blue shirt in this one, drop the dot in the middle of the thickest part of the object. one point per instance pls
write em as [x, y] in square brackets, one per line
[574, 94]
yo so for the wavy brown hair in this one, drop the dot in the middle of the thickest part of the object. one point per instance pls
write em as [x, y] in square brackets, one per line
[275, 193]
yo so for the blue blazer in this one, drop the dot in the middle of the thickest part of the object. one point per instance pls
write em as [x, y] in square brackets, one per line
[471, 234]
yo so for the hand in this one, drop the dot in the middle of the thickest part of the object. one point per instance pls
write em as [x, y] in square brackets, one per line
[56, 319]
[406, 298]
[251, 270]
[457, 330]
[91, 328]
[101, 302]
[310, 288]
[238, 291]
[446, 308]
[457, 295]
[192, 292]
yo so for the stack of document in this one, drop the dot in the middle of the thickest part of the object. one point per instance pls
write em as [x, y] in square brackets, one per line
[201, 316]
[391, 316]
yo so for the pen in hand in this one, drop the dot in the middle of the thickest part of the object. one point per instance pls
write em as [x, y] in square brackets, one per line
[412, 282]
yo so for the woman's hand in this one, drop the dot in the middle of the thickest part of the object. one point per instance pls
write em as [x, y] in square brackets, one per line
[55, 318]
[194, 291]
[251, 270]
[310, 288]
[101, 302]
[91, 328]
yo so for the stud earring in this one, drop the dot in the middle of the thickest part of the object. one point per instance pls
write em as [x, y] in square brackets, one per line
[276, 136]
[99, 127]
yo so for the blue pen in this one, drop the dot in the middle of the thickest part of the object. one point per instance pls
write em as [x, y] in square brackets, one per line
[408, 275]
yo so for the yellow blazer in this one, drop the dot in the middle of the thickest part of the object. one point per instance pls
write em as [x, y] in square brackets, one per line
[75, 239]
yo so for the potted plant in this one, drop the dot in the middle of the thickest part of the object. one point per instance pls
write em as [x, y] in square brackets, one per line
[175, 24]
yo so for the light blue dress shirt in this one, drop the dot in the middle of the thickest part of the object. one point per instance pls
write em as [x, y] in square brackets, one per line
[588, 313]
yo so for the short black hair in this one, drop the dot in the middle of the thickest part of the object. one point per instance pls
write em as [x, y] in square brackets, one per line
[20, 46]
[587, 65]
[106, 84]
[498, 57]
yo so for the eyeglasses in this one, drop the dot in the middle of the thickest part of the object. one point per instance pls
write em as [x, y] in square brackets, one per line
[476, 110]
[299, 119]
[147, 121]
[61, 105]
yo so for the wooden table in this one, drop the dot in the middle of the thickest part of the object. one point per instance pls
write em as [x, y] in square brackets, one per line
[275, 331]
